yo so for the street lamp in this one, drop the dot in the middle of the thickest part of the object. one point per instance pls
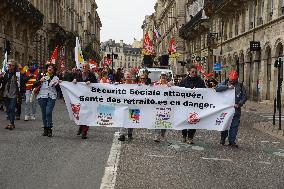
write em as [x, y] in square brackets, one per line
[112, 56]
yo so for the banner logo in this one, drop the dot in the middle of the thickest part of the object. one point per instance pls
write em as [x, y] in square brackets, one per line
[221, 118]
[76, 110]
[193, 118]
[105, 115]
[134, 115]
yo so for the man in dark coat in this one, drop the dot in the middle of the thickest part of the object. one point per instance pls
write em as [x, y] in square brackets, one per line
[191, 81]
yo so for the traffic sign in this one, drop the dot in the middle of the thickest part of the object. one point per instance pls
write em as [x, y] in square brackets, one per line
[217, 67]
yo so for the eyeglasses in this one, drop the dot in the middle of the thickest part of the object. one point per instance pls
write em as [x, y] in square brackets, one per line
[194, 72]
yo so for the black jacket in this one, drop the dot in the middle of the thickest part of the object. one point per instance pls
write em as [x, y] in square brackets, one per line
[91, 77]
[5, 79]
[192, 82]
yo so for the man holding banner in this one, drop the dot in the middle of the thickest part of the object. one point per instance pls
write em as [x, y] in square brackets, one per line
[240, 99]
[191, 81]
[127, 80]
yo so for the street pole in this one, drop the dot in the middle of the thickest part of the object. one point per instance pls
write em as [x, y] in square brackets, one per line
[279, 90]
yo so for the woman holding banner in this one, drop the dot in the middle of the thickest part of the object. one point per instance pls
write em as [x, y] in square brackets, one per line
[47, 95]
[88, 77]
[160, 133]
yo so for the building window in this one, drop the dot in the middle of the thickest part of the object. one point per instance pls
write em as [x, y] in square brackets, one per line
[270, 6]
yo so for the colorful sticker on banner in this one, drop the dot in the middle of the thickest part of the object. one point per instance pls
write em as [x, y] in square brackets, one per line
[76, 110]
[193, 118]
[134, 115]
[221, 118]
[164, 117]
[105, 115]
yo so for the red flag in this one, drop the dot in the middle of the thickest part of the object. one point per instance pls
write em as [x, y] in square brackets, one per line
[107, 61]
[148, 45]
[172, 47]
[54, 56]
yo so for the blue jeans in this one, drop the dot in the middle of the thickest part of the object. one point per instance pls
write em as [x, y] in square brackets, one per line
[10, 104]
[233, 131]
[46, 105]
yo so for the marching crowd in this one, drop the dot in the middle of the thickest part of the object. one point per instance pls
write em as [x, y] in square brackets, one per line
[42, 85]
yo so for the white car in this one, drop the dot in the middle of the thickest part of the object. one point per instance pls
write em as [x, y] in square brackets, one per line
[154, 73]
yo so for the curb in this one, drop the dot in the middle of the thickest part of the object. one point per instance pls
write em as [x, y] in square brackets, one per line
[270, 129]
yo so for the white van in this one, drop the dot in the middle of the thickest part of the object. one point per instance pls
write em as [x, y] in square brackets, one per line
[154, 73]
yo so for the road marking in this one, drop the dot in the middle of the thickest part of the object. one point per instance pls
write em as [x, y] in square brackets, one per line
[265, 141]
[217, 159]
[264, 162]
[275, 142]
[161, 156]
[199, 148]
[109, 178]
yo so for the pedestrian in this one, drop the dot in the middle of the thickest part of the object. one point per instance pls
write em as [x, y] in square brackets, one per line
[12, 86]
[192, 81]
[88, 77]
[20, 71]
[31, 75]
[47, 82]
[240, 99]
[127, 80]
[148, 80]
[210, 81]
[160, 134]
[118, 75]
[104, 78]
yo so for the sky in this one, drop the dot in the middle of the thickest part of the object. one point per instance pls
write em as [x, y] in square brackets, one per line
[122, 19]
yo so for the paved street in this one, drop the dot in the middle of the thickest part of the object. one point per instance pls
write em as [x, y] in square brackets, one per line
[28, 160]
[31, 161]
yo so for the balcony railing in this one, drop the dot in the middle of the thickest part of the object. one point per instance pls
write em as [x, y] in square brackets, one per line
[27, 9]
[212, 6]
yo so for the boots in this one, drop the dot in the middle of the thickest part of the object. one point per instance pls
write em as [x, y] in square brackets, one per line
[49, 132]
[44, 131]
[79, 132]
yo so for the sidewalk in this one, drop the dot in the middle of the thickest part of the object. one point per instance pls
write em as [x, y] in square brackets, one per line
[265, 126]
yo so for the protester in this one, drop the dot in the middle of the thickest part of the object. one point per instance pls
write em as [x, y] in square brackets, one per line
[118, 75]
[240, 99]
[88, 77]
[161, 133]
[191, 81]
[104, 78]
[127, 80]
[210, 81]
[31, 76]
[47, 95]
[148, 80]
[12, 86]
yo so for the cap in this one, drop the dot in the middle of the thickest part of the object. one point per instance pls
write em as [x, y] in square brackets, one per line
[233, 75]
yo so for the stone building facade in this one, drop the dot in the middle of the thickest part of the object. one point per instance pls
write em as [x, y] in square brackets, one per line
[168, 18]
[225, 32]
[129, 56]
[61, 21]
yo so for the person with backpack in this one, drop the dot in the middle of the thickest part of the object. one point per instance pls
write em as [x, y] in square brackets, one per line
[240, 99]
[12, 86]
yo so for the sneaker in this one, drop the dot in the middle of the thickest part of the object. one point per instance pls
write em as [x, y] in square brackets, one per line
[8, 126]
[12, 126]
[33, 117]
[233, 145]
[27, 118]
[190, 141]
[121, 138]
[156, 139]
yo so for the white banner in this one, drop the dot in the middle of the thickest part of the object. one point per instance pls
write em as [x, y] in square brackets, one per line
[156, 107]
